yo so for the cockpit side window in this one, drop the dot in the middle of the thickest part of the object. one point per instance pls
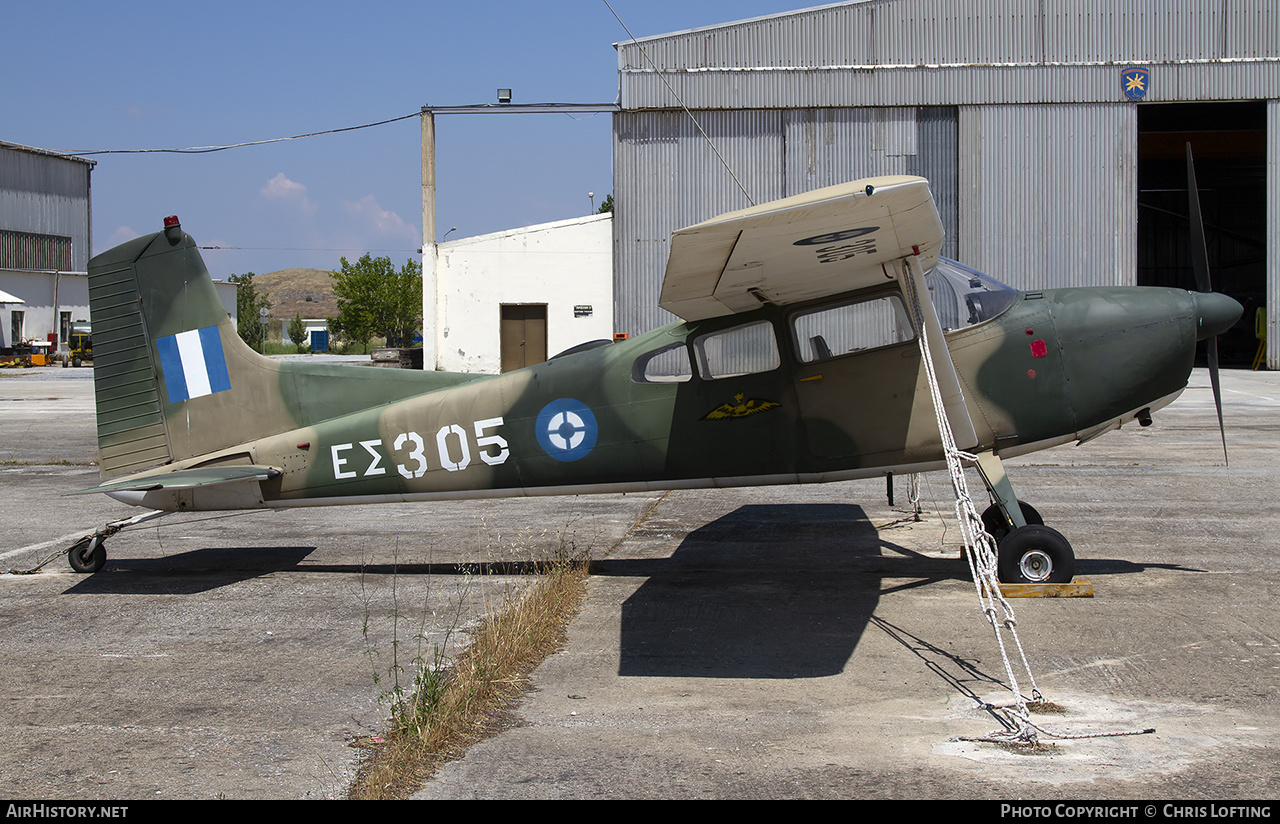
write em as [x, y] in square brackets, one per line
[855, 326]
[670, 364]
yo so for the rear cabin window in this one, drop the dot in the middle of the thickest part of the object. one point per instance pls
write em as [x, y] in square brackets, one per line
[833, 331]
[742, 350]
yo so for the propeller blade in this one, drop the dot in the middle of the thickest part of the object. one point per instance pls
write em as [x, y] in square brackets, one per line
[1199, 252]
[1200, 264]
[1217, 395]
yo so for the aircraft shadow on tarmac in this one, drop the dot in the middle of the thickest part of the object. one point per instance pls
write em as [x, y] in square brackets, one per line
[202, 570]
[189, 573]
[777, 591]
[767, 591]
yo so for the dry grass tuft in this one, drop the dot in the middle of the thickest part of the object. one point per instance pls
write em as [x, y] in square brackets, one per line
[472, 698]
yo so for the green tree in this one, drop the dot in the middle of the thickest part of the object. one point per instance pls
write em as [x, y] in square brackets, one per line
[298, 332]
[606, 205]
[375, 300]
[248, 304]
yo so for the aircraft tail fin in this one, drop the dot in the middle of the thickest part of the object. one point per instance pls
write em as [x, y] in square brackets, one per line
[166, 356]
[174, 382]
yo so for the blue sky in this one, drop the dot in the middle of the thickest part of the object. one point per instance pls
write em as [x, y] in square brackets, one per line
[134, 75]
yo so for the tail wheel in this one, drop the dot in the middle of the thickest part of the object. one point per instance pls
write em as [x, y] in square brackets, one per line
[88, 556]
[1036, 554]
[997, 527]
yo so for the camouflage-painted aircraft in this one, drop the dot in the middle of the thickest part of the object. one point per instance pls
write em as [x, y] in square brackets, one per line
[797, 361]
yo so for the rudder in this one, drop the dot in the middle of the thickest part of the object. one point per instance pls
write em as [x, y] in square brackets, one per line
[163, 342]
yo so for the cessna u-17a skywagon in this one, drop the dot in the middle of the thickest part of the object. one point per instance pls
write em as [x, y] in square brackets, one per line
[797, 361]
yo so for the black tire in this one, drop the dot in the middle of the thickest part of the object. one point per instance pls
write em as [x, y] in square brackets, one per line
[88, 556]
[1036, 554]
[997, 527]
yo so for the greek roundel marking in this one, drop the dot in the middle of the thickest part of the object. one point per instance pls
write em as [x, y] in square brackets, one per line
[566, 429]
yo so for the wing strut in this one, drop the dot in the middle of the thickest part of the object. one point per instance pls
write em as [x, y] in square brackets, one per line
[957, 413]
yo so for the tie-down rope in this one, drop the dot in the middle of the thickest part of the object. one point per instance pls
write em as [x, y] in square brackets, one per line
[982, 554]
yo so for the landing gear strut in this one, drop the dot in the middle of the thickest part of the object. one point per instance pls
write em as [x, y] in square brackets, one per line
[1028, 551]
[997, 524]
[89, 554]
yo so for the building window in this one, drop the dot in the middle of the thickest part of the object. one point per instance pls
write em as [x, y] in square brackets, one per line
[15, 328]
[26, 250]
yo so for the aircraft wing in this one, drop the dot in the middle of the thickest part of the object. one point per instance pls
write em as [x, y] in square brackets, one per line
[809, 246]
[186, 479]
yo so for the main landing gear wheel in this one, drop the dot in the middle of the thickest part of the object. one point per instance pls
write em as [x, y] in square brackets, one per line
[88, 556]
[1036, 554]
[996, 525]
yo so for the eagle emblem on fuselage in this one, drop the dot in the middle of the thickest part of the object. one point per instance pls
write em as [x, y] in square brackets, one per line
[739, 408]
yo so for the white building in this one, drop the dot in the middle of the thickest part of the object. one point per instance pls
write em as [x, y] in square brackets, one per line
[515, 298]
[315, 332]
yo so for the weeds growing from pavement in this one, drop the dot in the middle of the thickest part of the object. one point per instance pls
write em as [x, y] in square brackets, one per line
[451, 702]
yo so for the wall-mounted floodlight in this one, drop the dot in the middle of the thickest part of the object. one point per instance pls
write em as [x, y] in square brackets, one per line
[504, 95]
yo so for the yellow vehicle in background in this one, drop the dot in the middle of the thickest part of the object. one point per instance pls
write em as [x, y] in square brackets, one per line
[81, 343]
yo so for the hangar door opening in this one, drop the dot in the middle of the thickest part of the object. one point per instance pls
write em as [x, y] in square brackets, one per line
[1229, 141]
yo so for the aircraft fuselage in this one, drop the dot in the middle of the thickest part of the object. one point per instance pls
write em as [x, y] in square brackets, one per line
[749, 395]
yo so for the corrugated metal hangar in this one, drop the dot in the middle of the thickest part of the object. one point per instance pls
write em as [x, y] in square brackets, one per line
[44, 244]
[1052, 132]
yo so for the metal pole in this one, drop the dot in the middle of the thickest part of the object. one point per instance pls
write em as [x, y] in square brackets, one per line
[430, 294]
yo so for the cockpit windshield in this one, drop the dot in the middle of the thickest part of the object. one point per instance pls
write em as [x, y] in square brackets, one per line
[963, 297]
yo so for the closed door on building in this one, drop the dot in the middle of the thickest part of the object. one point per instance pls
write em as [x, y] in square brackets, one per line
[523, 335]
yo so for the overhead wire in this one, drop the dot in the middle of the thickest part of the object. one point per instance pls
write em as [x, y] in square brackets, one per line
[209, 149]
[304, 249]
[676, 95]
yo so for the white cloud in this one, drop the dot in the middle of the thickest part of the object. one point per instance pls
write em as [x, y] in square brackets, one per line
[285, 190]
[385, 223]
[122, 234]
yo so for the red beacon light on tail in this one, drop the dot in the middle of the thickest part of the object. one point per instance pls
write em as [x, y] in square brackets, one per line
[172, 229]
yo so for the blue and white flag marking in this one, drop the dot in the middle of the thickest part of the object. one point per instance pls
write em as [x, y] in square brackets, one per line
[193, 364]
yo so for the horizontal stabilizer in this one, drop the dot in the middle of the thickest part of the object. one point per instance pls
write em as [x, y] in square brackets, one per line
[810, 246]
[187, 479]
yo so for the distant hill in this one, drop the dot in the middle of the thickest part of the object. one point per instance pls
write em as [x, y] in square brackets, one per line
[307, 292]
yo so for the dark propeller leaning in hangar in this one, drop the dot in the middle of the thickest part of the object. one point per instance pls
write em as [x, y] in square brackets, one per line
[798, 360]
